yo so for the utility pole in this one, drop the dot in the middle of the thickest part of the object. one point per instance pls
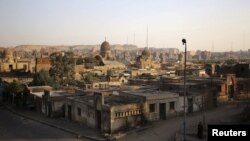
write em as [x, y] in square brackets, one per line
[185, 59]
[203, 106]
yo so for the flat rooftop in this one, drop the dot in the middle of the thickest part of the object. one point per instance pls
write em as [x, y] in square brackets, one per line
[187, 83]
[52, 93]
[110, 99]
[83, 99]
[39, 88]
[120, 100]
[152, 94]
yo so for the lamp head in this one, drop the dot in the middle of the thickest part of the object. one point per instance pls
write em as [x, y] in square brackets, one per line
[184, 41]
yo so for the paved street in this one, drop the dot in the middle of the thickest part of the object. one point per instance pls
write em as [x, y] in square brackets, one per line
[13, 127]
[165, 130]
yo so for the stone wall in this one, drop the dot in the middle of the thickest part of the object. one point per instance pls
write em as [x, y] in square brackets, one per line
[86, 116]
[125, 116]
[152, 116]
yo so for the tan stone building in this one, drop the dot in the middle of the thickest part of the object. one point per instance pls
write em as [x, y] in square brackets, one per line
[105, 111]
[43, 64]
[113, 111]
[144, 61]
[104, 61]
[157, 105]
[232, 88]
[9, 63]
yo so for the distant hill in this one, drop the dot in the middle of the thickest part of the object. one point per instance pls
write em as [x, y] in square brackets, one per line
[2, 49]
[84, 47]
[124, 47]
[31, 48]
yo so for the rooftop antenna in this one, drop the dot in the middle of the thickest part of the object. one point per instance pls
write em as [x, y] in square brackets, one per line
[244, 40]
[231, 46]
[213, 46]
[231, 52]
[134, 38]
[243, 44]
[127, 39]
[147, 39]
[212, 51]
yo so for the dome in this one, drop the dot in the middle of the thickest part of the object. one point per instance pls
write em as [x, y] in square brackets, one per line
[105, 46]
[8, 55]
[146, 53]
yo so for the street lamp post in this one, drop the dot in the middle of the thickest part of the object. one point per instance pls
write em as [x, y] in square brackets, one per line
[203, 108]
[185, 59]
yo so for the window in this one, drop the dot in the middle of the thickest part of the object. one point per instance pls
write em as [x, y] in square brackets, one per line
[25, 67]
[151, 108]
[33, 69]
[11, 67]
[219, 88]
[116, 114]
[242, 69]
[172, 105]
[79, 111]
[241, 87]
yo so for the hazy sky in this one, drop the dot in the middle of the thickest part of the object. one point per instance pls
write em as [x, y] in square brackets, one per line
[224, 23]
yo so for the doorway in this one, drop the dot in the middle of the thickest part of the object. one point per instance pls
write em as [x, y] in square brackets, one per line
[190, 105]
[63, 111]
[162, 111]
[10, 67]
[98, 119]
[69, 112]
[230, 91]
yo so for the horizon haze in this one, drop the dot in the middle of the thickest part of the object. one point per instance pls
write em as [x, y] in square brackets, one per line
[207, 25]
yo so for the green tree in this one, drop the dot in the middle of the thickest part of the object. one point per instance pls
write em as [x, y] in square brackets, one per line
[62, 69]
[90, 77]
[231, 61]
[92, 60]
[13, 91]
[79, 61]
[41, 78]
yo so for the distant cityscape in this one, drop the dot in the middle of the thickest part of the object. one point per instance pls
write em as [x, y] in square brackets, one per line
[120, 88]
[124, 70]
[128, 50]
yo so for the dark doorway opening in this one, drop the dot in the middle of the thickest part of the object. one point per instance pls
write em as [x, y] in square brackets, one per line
[162, 110]
[25, 67]
[63, 111]
[190, 105]
[98, 119]
[69, 112]
[10, 67]
[230, 91]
